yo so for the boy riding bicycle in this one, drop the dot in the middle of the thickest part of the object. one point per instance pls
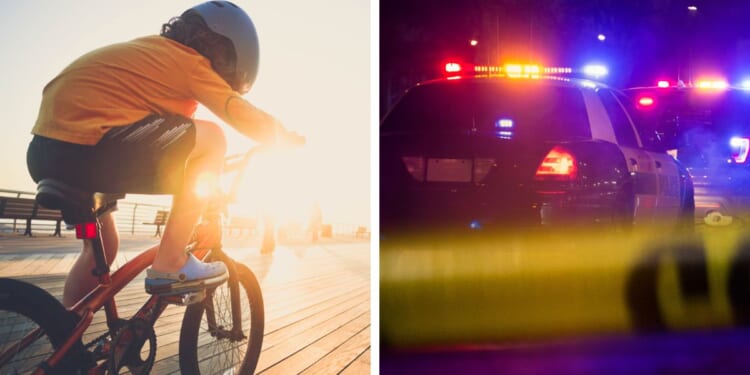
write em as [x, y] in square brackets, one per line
[119, 120]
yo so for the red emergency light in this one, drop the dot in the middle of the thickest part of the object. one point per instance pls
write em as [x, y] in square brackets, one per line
[646, 101]
[453, 67]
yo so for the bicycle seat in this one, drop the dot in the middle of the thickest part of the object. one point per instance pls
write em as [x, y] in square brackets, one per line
[77, 205]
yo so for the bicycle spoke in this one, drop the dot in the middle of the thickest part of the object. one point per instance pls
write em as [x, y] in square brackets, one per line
[221, 355]
[214, 342]
[21, 351]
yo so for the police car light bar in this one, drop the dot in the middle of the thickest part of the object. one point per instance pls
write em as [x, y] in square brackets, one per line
[512, 70]
[595, 71]
[557, 70]
[662, 84]
[712, 84]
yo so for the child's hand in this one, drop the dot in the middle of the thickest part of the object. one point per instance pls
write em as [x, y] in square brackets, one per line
[284, 137]
[291, 138]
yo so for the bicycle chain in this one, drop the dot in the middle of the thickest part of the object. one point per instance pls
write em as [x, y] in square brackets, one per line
[120, 323]
[96, 340]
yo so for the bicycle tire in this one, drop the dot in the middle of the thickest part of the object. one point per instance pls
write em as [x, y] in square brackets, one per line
[23, 308]
[219, 355]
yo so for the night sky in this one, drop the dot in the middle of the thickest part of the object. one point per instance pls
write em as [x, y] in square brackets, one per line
[645, 40]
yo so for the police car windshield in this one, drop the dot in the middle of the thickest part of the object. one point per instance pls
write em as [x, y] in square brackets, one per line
[519, 109]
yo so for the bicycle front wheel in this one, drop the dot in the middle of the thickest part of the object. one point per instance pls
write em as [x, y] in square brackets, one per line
[211, 342]
[33, 324]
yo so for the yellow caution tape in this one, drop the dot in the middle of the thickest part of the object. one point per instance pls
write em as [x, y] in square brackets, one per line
[438, 290]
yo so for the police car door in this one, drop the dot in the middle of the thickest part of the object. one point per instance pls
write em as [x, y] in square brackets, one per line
[610, 123]
[667, 175]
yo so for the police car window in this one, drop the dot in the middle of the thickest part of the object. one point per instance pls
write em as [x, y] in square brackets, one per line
[624, 131]
[431, 107]
[511, 110]
[649, 127]
[687, 117]
[729, 115]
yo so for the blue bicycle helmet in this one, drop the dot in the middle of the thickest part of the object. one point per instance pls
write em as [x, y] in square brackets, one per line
[227, 19]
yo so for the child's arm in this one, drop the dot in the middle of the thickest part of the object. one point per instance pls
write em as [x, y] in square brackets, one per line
[246, 118]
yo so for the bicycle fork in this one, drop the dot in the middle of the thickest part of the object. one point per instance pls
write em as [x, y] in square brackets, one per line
[236, 334]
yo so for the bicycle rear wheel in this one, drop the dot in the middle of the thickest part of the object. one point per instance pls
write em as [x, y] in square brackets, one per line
[208, 344]
[25, 308]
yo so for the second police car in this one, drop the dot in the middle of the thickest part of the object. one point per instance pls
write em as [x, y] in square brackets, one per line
[706, 126]
[515, 146]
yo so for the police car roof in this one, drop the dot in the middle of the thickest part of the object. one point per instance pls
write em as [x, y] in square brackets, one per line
[545, 80]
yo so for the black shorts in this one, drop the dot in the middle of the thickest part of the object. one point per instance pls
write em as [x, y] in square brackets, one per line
[147, 157]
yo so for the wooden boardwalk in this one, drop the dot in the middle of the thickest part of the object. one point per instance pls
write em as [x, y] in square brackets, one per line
[317, 301]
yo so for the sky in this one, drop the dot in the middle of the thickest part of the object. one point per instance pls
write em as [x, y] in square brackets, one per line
[314, 76]
[641, 41]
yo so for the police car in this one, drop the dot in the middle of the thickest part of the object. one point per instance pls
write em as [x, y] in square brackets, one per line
[705, 125]
[515, 146]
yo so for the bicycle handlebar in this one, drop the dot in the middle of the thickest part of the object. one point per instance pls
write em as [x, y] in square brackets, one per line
[238, 162]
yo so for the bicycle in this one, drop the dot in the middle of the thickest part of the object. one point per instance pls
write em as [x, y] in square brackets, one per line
[222, 328]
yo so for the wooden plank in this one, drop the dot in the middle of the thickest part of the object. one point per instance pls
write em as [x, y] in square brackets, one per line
[287, 309]
[167, 365]
[360, 366]
[19, 266]
[342, 356]
[270, 318]
[43, 268]
[292, 339]
[316, 303]
[309, 355]
[303, 310]
[65, 264]
[8, 261]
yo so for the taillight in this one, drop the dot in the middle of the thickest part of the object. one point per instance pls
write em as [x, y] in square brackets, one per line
[86, 231]
[559, 164]
[415, 166]
[739, 147]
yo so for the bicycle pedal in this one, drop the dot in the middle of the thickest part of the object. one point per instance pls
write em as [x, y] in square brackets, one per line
[188, 298]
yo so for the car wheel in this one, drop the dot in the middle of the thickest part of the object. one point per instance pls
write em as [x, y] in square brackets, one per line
[686, 221]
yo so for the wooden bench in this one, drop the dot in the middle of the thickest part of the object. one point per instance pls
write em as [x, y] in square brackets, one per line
[362, 232]
[28, 209]
[159, 219]
[242, 223]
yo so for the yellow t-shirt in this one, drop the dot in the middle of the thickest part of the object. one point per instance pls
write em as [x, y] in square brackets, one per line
[122, 83]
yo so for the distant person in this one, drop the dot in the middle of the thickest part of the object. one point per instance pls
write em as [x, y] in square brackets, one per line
[119, 119]
[316, 222]
[268, 243]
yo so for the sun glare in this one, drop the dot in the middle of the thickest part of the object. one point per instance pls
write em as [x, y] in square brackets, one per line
[206, 184]
[279, 184]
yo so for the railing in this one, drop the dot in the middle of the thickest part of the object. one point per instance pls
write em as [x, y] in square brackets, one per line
[130, 217]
